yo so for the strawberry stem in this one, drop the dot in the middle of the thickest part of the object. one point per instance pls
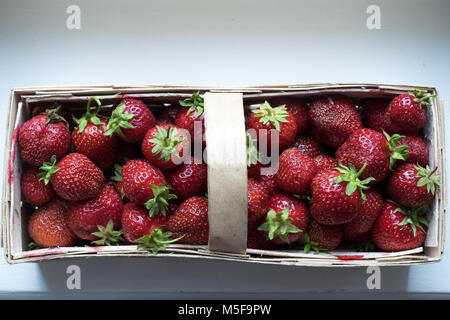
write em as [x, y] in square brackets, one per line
[165, 142]
[89, 117]
[119, 121]
[349, 175]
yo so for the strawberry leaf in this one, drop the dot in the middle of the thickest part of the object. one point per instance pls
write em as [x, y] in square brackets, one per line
[428, 178]
[195, 103]
[165, 142]
[118, 121]
[279, 224]
[159, 201]
[157, 241]
[269, 114]
[107, 235]
[48, 170]
[351, 177]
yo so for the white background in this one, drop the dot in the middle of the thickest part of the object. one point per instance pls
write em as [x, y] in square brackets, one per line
[222, 43]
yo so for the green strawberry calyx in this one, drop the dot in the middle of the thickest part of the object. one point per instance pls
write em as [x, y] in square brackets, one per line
[159, 202]
[118, 178]
[165, 142]
[273, 115]
[157, 241]
[413, 217]
[48, 170]
[422, 97]
[400, 152]
[428, 178]
[195, 103]
[307, 244]
[351, 176]
[54, 116]
[118, 121]
[253, 156]
[89, 117]
[279, 224]
[107, 235]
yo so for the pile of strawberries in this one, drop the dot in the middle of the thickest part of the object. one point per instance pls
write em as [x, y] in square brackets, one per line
[114, 176]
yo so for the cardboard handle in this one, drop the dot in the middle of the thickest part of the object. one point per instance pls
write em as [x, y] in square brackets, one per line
[227, 172]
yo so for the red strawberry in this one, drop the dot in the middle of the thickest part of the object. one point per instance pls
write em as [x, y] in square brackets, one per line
[333, 119]
[74, 177]
[408, 112]
[84, 217]
[374, 114]
[253, 158]
[145, 184]
[295, 172]
[89, 138]
[167, 116]
[396, 229]
[130, 120]
[268, 183]
[266, 118]
[163, 146]
[286, 220]
[257, 200]
[371, 148]
[189, 179]
[368, 213]
[298, 108]
[48, 226]
[258, 239]
[336, 195]
[417, 148]
[34, 189]
[190, 221]
[363, 238]
[191, 117]
[323, 236]
[308, 145]
[412, 185]
[44, 136]
[324, 162]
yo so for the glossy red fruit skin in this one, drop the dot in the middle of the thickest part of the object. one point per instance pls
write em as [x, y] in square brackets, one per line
[258, 239]
[297, 211]
[308, 145]
[142, 121]
[328, 237]
[374, 115]
[48, 226]
[85, 216]
[154, 159]
[188, 179]
[389, 236]
[286, 135]
[137, 223]
[187, 122]
[34, 190]
[417, 148]
[78, 178]
[329, 204]
[366, 146]
[324, 162]
[40, 141]
[257, 199]
[295, 171]
[268, 183]
[368, 213]
[349, 235]
[254, 170]
[333, 119]
[405, 114]
[191, 221]
[298, 108]
[167, 116]
[95, 145]
[402, 187]
[137, 177]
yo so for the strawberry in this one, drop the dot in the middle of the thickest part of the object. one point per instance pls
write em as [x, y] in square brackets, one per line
[295, 172]
[48, 226]
[368, 213]
[34, 189]
[189, 179]
[408, 112]
[89, 138]
[163, 146]
[298, 108]
[145, 184]
[253, 157]
[44, 136]
[167, 116]
[417, 148]
[130, 120]
[336, 195]
[324, 162]
[412, 185]
[257, 200]
[374, 115]
[371, 148]
[333, 119]
[191, 117]
[308, 145]
[118, 183]
[258, 239]
[85, 217]
[266, 118]
[323, 236]
[190, 221]
[74, 177]
[286, 219]
[268, 183]
[397, 229]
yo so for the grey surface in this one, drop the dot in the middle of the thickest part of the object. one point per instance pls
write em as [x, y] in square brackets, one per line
[220, 43]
